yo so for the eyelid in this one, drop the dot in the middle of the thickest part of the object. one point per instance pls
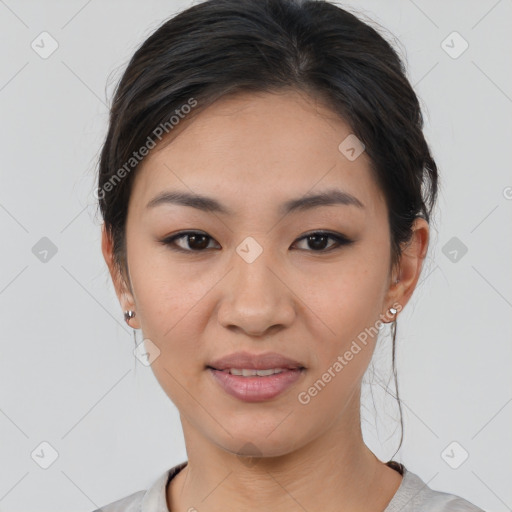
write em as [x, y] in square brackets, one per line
[169, 241]
[340, 239]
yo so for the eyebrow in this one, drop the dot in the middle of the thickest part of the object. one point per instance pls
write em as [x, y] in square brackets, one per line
[208, 204]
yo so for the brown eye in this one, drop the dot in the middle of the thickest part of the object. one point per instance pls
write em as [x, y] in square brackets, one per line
[191, 241]
[195, 241]
[317, 242]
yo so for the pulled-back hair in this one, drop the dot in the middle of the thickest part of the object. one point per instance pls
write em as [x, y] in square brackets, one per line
[220, 47]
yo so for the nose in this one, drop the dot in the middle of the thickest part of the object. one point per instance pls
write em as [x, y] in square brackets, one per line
[256, 299]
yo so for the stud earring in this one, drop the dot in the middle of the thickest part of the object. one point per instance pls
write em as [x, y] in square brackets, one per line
[392, 310]
[128, 315]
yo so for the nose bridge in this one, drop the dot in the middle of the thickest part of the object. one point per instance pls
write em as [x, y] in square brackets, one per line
[256, 299]
[252, 270]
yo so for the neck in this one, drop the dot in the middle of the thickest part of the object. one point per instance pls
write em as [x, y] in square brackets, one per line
[333, 472]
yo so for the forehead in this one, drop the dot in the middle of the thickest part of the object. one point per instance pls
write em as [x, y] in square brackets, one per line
[250, 148]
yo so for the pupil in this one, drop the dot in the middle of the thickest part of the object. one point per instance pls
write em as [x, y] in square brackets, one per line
[200, 245]
[316, 245]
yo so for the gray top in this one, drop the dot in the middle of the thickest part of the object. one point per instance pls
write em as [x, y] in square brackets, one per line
[413, 495]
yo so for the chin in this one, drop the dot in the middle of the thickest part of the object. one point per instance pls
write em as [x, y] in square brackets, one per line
[257, 443]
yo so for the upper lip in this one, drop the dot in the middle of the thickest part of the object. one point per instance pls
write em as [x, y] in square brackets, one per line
[246, 360]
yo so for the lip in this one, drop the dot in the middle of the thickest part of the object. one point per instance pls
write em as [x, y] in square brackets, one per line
[256, 389]
[255, 362]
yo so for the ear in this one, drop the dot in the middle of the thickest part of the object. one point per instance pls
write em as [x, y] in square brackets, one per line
[411, 263]
[122, 289]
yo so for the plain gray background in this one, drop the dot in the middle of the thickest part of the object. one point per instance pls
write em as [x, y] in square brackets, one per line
[68, 374]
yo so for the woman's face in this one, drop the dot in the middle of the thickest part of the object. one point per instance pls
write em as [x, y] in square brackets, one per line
[251, 280]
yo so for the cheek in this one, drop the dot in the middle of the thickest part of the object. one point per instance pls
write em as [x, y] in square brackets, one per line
[342, 354]
[169, 305]
[348, 301]
[165, 291]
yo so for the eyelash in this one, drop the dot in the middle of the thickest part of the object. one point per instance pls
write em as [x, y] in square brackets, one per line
[340, 239]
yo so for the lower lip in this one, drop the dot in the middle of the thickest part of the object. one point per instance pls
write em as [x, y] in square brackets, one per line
[256, 389]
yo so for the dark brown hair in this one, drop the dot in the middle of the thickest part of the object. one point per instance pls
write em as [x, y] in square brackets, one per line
[220, 47]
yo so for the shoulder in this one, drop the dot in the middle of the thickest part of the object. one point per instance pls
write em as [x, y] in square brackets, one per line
[414, 495]
[150, 500]
[129, 503]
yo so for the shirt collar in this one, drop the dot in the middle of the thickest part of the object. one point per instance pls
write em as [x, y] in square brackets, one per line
[155, 499]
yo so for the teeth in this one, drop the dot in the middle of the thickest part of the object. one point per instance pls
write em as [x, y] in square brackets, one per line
[251, 373]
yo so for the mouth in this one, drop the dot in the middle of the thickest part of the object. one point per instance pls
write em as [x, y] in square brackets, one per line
[249, 372]
[249, 385]
[255, 377]
[244, 361]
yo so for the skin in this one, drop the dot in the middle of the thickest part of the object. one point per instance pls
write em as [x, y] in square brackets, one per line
[252, 152]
